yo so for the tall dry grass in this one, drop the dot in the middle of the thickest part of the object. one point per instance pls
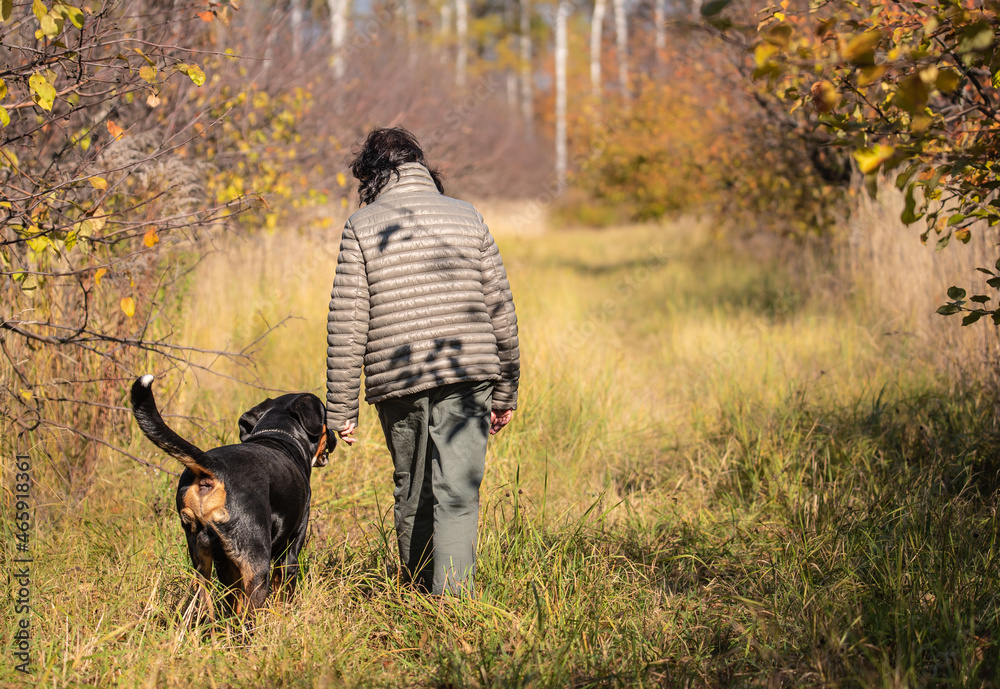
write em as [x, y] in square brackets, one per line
[718, 476]
[905, 282]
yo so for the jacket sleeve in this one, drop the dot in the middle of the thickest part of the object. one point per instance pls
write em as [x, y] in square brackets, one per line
[500, 305]
[346, 333]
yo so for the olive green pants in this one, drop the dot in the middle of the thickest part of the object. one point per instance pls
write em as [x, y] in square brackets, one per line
[437, 439]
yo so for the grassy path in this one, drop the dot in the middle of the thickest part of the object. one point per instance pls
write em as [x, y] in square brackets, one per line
[718, 476]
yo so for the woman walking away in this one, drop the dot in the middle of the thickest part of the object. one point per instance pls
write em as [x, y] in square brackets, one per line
[421, 299]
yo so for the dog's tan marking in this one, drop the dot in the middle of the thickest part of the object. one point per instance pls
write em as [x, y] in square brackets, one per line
[320, 448]
[206, 501]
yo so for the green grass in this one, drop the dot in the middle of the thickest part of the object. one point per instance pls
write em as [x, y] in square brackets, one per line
[719, 475]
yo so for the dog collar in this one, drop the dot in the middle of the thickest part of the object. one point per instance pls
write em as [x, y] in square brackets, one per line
[268, 431]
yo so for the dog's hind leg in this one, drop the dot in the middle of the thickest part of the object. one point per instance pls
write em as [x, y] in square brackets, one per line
[200, 549]
[286, 572]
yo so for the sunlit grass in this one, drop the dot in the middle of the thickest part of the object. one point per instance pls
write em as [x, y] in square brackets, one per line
[719, 474]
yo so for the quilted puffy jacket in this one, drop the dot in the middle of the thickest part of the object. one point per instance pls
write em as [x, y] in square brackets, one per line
[421, 298]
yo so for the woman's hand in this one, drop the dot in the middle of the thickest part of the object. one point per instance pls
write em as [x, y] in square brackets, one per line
[500, 419]
[347, 434]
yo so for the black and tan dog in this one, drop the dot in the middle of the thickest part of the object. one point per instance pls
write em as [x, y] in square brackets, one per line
[244, 506]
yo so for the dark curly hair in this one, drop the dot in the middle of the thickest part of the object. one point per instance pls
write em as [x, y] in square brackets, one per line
[383, 151]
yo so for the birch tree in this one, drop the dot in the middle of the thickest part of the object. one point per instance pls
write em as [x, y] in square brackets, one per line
[446, 20]
[338, 35]
[621, 44]
[660, 27]
[462, 31]
[527, 74]
[562, 52]
[410, 9]
[596, 33]
[295, 26]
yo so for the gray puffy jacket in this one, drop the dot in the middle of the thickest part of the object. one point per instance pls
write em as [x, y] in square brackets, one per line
[421, 297]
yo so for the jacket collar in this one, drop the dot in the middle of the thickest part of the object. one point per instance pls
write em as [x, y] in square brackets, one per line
[412, 177]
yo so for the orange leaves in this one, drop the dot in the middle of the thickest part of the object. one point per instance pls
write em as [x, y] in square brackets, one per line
[824, 95]
[114, 130]
[151, 238]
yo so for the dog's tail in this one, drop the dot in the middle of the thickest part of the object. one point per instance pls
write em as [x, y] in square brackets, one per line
[152, 424]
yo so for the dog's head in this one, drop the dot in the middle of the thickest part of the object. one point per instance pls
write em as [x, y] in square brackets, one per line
[300, 415]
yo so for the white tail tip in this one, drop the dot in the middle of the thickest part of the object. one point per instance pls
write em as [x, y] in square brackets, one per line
[146, 380]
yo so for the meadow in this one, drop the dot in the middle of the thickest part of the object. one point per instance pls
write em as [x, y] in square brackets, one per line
[730, 467]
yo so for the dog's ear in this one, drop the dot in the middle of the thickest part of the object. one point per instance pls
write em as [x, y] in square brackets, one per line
[250, 419]
[309, 412]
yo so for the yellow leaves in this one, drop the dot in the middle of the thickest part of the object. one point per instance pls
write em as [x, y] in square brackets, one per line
[74, 14]
[151, 238]
[27, 395]
[947, 80]
[99, 183]
[963, 235]
[869, 159]
[43, 93]
[912, 94]
[148, 73]
[99, 275]
[38, 243]
[28, 282]
[128, 306]
[194, 72]
[779, 35]
[763, 53]
[860, 48]
[869, 75]
[341, 179]
[89, 227]
[51, 22]
[8, 158]
[114, 130]
[4, 115]
[6, 7]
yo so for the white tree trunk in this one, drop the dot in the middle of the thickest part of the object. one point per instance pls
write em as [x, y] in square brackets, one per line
[445, 30]
[596, 33]
[410, 8]
[295, 26]
[338, 35]
[462, 30]
[562, 51]
[621, 44]
[512, 103]
[660, 27]
[527, 72]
